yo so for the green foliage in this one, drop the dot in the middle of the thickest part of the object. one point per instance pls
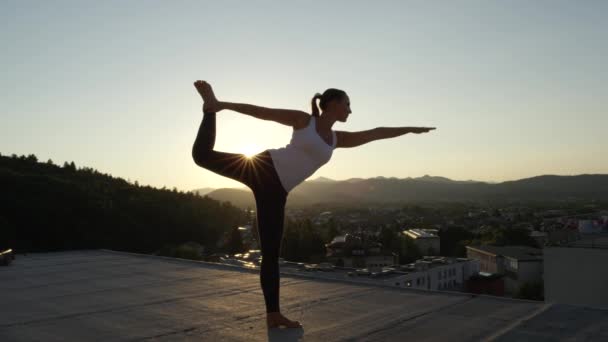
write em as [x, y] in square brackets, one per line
[302, 242]
[389, 239]
[189, 250]
[453, 241]
[331, 230]
[235, 242]
[45, 207]
[508, 237]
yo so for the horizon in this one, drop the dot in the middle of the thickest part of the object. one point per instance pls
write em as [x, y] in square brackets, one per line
[516, 90]
[310, 179]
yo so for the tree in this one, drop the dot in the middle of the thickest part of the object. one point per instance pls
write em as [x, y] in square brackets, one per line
[389, 239]
[69, 166]
[452, 241]
[235, 242]
[332, 230]
[7, 234]
[311, 241]
[302, 242]
[509, 236]
[291, 247]
[82, 209]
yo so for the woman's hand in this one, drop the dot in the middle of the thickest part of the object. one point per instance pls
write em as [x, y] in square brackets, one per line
[419, 130]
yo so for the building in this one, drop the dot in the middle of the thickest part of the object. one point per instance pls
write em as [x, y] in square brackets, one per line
[351, 251]
[562, 236]
[518, 264]
[486, 283]
[436, 274]
[541, 238]
[426, 240]
[432, 273]
[575, 273]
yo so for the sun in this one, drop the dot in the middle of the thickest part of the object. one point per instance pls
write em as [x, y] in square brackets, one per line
[251, 150]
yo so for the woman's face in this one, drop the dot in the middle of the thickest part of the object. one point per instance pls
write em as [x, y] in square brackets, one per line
[343, 108]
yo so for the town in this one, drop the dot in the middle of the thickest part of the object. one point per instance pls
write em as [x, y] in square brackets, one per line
[511, 251]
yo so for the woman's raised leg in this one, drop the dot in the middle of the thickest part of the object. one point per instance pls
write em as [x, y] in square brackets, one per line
[232, 165]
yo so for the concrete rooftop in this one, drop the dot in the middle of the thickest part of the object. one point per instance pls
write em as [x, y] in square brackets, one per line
[100, 295]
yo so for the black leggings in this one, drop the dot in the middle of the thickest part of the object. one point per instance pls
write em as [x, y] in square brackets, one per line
[259, 174]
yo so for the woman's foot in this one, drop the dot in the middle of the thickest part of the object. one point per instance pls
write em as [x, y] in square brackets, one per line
[276, 320]
[210, 102]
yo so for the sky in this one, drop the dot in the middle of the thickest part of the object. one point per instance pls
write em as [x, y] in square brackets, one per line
[516, 89]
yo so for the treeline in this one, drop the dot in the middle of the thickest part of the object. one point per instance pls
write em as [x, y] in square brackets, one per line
[305, 242]
[47, 207]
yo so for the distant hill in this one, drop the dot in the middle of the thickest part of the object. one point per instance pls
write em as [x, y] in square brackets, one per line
[323, 179]
[203, 191]
[432, 189]
[241, 198]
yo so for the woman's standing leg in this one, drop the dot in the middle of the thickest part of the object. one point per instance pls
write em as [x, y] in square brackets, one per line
[270, 202]
[271, 213]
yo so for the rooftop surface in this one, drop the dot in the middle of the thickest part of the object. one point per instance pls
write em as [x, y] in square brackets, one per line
[421, 233]
[100, 295]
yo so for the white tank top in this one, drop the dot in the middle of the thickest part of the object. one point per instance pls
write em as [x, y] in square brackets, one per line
[305, 154]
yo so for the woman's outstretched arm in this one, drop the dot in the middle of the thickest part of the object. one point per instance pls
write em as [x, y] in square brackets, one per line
[353, 139]
[283, 116]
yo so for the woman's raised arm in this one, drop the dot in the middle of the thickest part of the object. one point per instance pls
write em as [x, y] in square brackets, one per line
[287, 117]
[353, 139]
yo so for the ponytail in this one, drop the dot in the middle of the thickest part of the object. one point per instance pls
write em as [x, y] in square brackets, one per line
[315, 108]
[329, 95]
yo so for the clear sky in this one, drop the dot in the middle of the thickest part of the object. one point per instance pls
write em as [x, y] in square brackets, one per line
[515, 88]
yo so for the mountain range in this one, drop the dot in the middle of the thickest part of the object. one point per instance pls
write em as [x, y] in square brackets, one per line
[431, 189]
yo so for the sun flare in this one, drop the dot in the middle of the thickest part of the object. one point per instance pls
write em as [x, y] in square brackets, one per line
[251, 150]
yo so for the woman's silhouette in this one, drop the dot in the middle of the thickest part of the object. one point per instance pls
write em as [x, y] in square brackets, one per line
[272, 174]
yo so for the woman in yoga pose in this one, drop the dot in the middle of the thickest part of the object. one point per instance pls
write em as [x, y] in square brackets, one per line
[272, 174]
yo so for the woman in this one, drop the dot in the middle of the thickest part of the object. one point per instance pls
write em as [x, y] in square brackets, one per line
[272, 174]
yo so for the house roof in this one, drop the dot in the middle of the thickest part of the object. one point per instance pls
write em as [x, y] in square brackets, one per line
[521, 253]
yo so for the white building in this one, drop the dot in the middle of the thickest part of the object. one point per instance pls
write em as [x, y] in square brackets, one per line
[426, 240]
[519, 264]
[436, 273]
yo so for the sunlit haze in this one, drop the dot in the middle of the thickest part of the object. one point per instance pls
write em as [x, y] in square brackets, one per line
[515, 88]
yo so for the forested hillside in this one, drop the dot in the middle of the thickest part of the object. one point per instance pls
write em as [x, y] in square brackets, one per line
[46, 207]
